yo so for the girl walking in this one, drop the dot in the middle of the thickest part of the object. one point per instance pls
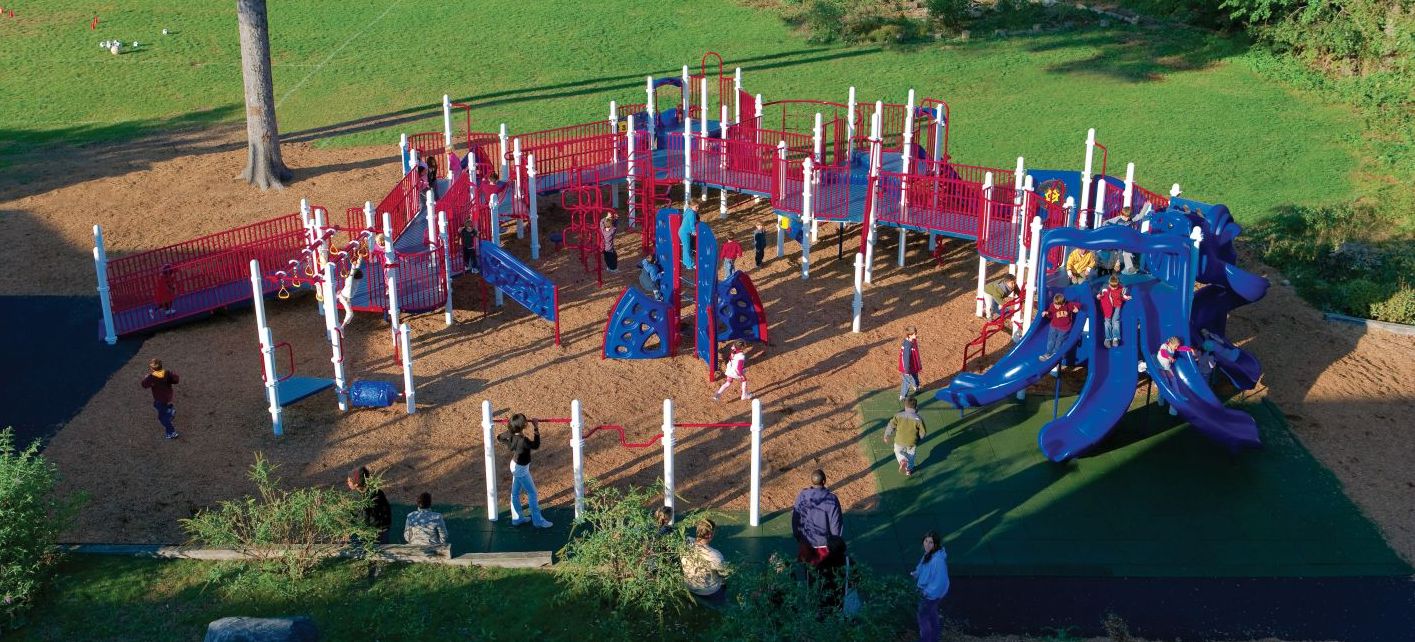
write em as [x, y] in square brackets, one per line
[736, 371]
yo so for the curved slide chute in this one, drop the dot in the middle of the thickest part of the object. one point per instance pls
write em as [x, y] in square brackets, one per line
[1107, 394]
[1188, 391]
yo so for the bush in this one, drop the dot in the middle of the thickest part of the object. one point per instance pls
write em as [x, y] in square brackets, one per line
[948, 15]
[1360, 294]
[1399, 308]
[286, 532]
[31, 519]
[770, 604]
[825, 19]
[615, 552]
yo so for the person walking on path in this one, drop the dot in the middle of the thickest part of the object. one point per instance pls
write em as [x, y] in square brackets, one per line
[906, 430]
[759, 244]
[910, 365]
[731, 251]
[425, 527]
[468, 237]
[160, 381]
[378, 513]
[931, 577]
[814, 519]
[520, 447]
[735, 371]
[607, 231]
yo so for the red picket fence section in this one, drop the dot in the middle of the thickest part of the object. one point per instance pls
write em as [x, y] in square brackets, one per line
[937, 203]
[402, 202]
[427, 143]
[1114, 199]
[977, 173]
[148, 262]
[421, 281]
[831, 192]
[1000, 224]
[1142, 196]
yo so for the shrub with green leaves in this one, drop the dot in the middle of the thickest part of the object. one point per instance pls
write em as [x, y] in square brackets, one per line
[773, 603]
[286, 533]
[31, 518]
[615, 552]
[1399, 308]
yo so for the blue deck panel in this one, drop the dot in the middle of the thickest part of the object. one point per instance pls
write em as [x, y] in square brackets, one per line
[296, 388]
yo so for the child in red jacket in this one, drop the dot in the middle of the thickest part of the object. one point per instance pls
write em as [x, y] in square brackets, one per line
[1112, 297]
[1063, 315]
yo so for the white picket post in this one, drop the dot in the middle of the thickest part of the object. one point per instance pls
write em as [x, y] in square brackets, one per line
[1129, 184]
[631, 177]
[668, 453]
[267, 348]
[614, 131]
[408, 390]
[333, 333]
[754, 511]
[445, 241]
[859, 303]
[390, 273]
[687, 164]
[105, 296]
[577, 455]
[649, 112]
[722, 166]
[488, 438]
[1084, 220]
[703, 125]
[532, 206]
[981, 307]
[520, 194]
[807, 216]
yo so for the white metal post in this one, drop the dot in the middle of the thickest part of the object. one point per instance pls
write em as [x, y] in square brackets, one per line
[807, 216]
[668, 452]
[940, 125]
[488, 441]
[687, 93]
[1019, 217]
[334, 334]
[1129, 184]
[722, 166]
[577, 455]
[903, 239]
[981, 308]
[390, 273]
[1024, 266]
[501, 153]
[1084, 214]
[267, 348]
[1174, 191]
[520, 194]
[649, 113]
[687, 163]
[370, 223]
[906, 153]
[737, 96]
[858, 304]
[406, 336]
[532, 207]
[445, 241]
[614, 131]
[105, 297]
[780, 189]
[755, 509]
[1036, 273]
[817, 138]
[447, 128]
[850, 125]
[429, 221]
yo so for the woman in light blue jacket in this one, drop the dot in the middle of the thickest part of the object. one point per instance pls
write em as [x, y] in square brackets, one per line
[931, 576]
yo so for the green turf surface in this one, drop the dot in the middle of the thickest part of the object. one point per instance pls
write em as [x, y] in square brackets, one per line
[1157, 499]
[1185, 106]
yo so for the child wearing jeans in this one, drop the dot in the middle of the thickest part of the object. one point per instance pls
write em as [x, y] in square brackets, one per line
[1112, 297]
[736, 371]
[1168, 353]
[1063, 315]
[520, 448]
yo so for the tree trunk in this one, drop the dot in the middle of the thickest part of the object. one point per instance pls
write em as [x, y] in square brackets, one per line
[264, 167]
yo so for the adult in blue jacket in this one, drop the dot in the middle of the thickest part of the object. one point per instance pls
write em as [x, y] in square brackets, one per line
[931, 577]
[815, 519]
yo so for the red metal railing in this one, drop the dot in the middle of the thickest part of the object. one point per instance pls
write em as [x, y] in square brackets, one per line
[402, 203]
[148, 262]
[1156, 201]
[998, 230]
[978, 347]
[427, 142]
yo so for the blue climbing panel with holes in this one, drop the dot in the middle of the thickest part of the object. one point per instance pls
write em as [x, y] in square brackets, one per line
[740, 314]
[639, 327]
[517, 280]
[706, 335]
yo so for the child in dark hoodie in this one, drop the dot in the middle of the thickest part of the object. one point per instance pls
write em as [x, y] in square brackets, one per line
[815, 519]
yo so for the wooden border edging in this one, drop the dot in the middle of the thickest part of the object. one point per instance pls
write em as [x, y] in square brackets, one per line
[1394, 328]
[390, 552]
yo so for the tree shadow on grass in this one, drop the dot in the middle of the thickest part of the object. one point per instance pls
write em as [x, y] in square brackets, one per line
[1139, 54]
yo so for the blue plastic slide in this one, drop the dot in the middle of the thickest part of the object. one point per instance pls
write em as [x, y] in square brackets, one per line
[1188, 391]
[1110, 386]
[1019, 368]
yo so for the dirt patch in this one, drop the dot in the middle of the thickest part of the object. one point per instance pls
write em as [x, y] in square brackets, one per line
[1343, 390]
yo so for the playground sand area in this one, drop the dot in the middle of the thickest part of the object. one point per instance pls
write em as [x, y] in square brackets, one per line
[1342, 388]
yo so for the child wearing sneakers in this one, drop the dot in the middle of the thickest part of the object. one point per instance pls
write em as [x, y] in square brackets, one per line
[736, 371]
[1169, 351]
[1112, 296]
[1063, 315]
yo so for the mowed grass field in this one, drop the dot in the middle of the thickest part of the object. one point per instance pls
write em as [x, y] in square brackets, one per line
[1185, 106]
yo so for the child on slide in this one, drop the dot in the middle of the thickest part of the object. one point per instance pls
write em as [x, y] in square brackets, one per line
[736, 371]
[1112, 297]
[1063, 315]
[1169, 351]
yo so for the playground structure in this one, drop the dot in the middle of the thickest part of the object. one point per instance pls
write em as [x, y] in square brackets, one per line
[1180, 249]
[665, 437]
[876, 165]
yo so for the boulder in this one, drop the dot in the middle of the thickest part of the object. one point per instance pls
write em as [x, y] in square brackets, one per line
[262, 629]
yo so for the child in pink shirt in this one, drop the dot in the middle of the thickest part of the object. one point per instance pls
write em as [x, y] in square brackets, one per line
[736, 371]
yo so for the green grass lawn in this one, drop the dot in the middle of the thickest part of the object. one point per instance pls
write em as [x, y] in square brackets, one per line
[1186, 107]
[119, 598]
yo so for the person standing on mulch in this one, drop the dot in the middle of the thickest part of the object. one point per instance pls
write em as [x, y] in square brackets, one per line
[468, 236]
[378, 513]
[906, 430]
[731, 251]
[607, 230]
[520, 446]
[931, 577]
[910, 365]
[759, 244]
[815, 519]
[160, 381]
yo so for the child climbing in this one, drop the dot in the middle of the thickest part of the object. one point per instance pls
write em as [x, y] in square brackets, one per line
[687, 235]
[1080, 265]
[346, 292]
[651, 277]
[997, 293]
[607, 231]
[1112, 297]
[1062, 314]
[736, 371]
[468, 237]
